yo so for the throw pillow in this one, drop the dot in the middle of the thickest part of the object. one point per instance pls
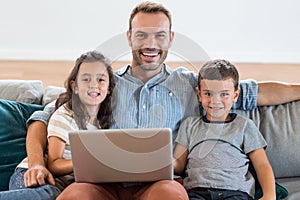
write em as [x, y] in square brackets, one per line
[13, 116]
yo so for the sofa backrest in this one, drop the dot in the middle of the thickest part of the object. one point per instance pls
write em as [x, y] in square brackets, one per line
[280, 126]
[26, 91]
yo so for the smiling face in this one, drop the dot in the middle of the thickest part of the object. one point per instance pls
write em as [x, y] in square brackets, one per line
[92, 84]
[150, 38]
[217, 97]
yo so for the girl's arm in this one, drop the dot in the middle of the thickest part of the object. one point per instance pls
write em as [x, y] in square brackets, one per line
[264, 173]
[56, 163]
[180, 158]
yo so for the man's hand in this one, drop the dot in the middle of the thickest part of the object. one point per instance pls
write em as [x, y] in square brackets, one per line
[37, 176]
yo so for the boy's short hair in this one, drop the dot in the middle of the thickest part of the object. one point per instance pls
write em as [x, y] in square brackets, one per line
[219, 70]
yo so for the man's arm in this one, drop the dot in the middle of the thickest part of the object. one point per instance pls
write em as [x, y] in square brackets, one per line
[274, 93]
[36, 143]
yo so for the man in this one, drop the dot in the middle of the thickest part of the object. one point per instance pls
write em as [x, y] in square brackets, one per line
[148, 94]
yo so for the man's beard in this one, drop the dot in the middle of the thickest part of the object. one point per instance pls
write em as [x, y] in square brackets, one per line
[148, 66]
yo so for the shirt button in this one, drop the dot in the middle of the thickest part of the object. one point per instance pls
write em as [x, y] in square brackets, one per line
[144, 106]
[170, 94]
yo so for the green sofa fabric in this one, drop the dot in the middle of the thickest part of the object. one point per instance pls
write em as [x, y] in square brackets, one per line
[13, 116]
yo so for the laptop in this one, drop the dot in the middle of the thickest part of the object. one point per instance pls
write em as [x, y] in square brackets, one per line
[122, 155]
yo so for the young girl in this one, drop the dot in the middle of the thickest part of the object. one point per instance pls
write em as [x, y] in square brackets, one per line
[86, 104]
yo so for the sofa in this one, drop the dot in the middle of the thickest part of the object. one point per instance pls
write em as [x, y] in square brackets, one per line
[280, 126]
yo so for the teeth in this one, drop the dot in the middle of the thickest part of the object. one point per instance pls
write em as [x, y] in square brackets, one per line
[94, 94]
[214, 108]
[150, 54]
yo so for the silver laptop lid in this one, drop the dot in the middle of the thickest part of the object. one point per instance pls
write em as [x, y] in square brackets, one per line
[122, 155]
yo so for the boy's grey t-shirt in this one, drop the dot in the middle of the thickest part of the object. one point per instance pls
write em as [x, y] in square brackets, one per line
[218, 153]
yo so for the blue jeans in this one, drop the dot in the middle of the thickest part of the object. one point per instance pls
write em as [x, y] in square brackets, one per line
[17, 189]
[216, 194]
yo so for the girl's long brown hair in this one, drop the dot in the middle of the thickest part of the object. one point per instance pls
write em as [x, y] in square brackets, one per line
[72, 100]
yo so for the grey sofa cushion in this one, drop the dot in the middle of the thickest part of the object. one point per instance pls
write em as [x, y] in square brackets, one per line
[51, 93]
[292, 185]
[26, 91]
[280, 126]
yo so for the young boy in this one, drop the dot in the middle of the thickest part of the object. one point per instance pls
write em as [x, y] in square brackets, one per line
[215, 150]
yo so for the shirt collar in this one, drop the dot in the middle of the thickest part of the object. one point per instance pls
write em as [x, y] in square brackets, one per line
[162, 75]
[232, 117]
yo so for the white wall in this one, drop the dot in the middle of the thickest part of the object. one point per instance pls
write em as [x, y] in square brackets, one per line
[239, 30]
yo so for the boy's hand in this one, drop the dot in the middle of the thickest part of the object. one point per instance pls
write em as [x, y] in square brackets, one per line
[36, 176]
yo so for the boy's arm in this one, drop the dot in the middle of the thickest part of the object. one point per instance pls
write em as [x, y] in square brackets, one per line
[264, 173]
[36, 143]
[180, 158]
[274, 93]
